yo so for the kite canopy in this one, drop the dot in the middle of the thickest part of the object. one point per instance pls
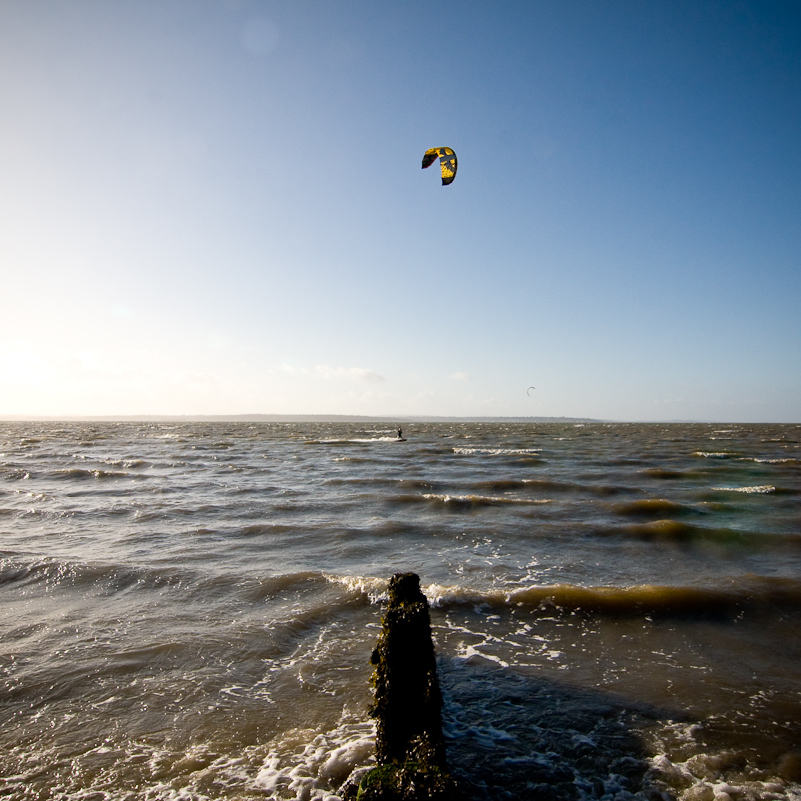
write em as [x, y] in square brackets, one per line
[447, 162]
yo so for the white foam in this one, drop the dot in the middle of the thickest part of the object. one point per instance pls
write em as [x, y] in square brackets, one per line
[357, 439]
[303, 772]
[498, 451]
[438, 594]
[163, 792]
[702, 778]
[486, 499]
[374, 588]
[764, 489]
[468, 651]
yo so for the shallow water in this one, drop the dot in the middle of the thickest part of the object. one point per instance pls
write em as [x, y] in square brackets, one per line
[188, 610]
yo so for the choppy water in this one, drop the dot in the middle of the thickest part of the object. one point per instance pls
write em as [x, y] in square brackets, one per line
[188, 611]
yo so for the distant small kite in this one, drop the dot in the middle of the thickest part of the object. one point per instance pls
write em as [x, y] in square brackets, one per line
[528, 391]
[447, 162]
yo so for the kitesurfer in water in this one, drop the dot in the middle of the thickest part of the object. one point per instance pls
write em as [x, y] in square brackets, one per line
[400, 433]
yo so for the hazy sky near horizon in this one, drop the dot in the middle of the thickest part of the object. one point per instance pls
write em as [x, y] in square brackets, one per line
[217, 207]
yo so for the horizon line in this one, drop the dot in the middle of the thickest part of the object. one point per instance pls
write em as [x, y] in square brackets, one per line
[347, 418]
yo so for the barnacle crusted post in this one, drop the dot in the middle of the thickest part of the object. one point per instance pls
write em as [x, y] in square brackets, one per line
[410, 748]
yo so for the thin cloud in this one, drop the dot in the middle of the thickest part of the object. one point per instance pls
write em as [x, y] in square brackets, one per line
[329, 373]
[359, 373]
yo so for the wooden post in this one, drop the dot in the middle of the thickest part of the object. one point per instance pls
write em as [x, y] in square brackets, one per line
[410, 748]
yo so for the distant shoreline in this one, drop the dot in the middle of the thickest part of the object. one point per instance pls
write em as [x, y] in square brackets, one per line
[345, 418]
[285, 418]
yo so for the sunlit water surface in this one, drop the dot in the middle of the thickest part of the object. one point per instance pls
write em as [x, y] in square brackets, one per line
[188, 610]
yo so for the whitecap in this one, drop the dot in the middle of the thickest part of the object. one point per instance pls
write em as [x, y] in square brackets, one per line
[498, 451]
[484, 499]
[765, 489]
[374, 588]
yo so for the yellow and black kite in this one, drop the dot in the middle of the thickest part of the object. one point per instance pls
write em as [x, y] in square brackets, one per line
[447, 162]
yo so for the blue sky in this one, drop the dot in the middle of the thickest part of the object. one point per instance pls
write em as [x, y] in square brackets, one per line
[218, 208]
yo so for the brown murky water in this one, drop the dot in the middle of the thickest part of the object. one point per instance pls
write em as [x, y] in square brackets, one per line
[188, 610]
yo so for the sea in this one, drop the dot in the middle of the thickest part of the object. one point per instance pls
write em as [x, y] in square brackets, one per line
[187, 610]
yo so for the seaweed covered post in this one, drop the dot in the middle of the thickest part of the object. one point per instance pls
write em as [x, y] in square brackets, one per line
[408, 703]
[410, 748]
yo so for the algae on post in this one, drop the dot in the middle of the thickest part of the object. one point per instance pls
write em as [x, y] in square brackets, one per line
[410, 748]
